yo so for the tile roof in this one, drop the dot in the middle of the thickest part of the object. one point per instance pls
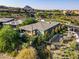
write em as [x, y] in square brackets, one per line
[14, 22]
[41, 26]
[4, 20]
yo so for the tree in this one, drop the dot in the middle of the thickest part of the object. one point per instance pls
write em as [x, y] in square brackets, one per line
[29, 11]
[9, 39]
[43, 53]
[29, 21]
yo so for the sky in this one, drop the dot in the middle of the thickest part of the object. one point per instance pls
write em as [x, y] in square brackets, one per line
[42, 4]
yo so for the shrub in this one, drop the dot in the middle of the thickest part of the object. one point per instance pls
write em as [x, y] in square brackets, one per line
[29, 21]
[13, 53]
[27, 53]
[25, 45]
[9, 39]
[44, 52]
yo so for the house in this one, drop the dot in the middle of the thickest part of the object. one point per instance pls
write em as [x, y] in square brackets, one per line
[14, 23]
[5, 20]
[41, 28]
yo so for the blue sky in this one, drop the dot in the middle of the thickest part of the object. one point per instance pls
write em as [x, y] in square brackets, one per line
[43, 4]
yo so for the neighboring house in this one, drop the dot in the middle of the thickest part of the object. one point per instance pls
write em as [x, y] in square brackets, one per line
[41, 28]
[14, 23]
[5, 20]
